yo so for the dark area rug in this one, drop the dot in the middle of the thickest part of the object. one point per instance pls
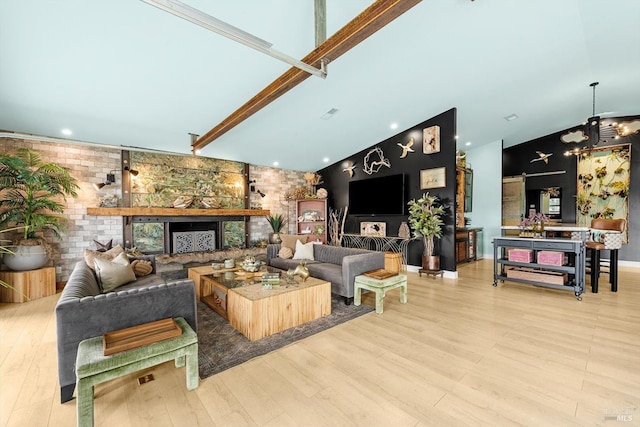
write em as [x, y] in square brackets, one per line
[221, 347]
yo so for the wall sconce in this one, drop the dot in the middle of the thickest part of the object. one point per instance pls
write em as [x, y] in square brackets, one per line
[111, 178]
[133, 172]
[253, 189]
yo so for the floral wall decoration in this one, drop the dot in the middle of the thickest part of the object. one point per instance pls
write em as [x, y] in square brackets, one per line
[603, 185]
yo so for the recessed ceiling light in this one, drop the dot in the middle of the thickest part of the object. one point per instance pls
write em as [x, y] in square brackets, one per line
[455, 137]
[325, 160]
[66, 131]
[198, 151]
[511, 117]
[394, 125]
[276, 163]
[468, 143]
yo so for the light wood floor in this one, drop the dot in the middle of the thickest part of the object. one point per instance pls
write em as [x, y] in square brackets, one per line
[460, 352]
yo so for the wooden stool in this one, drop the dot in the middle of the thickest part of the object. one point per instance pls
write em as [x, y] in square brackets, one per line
[380, 287]
[93, 367]
[606, 234]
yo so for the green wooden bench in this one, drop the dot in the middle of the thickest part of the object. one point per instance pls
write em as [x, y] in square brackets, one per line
[380, 287]
[93, 367]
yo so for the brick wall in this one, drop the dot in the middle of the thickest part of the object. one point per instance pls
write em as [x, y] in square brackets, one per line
[90, 164]
[274, 183]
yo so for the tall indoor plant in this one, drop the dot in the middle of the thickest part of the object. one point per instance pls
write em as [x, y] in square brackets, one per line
[277, 223]
[425, 219]
[31, 195]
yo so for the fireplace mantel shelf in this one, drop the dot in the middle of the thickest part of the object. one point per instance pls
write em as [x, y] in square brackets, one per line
[174, 212]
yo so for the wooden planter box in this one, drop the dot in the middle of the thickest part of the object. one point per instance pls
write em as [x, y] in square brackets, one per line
[552, 277]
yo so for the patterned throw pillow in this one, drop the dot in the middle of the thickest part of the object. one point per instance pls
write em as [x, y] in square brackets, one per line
[141, 267]
[91, 255]
[285, 253]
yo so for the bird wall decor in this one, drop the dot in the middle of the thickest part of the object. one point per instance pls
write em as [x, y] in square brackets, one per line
[544, 157]
[406, 149]
[350, 169]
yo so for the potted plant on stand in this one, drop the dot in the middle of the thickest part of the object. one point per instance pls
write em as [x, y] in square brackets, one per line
[425, 219]
[277, 223]
[30, 193]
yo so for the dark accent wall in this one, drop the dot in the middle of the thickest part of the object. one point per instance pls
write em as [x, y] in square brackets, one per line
[517, 160]
[336, 181]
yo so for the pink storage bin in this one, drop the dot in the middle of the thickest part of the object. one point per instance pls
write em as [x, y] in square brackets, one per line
[551, 258]
[521, 255]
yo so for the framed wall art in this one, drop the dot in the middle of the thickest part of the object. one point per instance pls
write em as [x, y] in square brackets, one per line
[431, 140]
[604, 180]
[433, 178]
[373, 229]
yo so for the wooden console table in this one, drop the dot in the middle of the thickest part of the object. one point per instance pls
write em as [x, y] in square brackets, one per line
[32, 284]
[380, 244]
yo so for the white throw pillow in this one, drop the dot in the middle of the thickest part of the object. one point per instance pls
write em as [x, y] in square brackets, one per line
[303, 251]
[112, 274]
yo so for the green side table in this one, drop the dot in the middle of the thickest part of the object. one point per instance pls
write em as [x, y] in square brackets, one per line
[380, 287]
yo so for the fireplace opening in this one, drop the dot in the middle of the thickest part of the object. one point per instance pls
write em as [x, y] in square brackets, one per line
[181, 234]
[188, 237]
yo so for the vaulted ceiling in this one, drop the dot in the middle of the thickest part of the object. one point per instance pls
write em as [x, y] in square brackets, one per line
[124, 73]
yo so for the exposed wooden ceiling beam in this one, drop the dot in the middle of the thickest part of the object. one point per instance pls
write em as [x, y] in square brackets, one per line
[376, 16]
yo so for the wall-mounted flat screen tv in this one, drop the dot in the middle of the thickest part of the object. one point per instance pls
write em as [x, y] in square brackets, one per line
[385, 195]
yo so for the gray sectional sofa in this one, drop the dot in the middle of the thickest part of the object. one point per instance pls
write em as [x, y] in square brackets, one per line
[334, 264]
[84, 312]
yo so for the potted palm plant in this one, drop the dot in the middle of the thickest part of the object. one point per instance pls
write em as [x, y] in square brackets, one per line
[277, 223]
[425, 219]
[30, 197]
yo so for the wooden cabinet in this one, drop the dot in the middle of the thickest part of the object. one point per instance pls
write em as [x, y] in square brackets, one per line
[467, 244]
[464, 193]
[312, 219]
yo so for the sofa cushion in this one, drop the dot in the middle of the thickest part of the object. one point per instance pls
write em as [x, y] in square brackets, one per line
[91, 255]
[304, 250]
[289, 240]
[142, 282]
[334, 254]
[326, 271]
[287, 264]
[112, 274]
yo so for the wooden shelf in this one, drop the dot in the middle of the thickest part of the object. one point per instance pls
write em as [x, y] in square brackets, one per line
[174, 212]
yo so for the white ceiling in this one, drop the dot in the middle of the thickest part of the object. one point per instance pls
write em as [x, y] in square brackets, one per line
[123, 73]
